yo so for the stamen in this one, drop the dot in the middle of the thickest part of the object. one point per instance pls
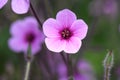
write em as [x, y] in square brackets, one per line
[66, 34]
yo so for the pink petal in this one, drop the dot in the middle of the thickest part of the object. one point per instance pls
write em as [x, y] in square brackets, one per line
[39, 37]
[2, 3]
[36, 45]
[51, 28]
[17, 29]
[30, 24]
[79, 28]
[73, 45]
[17, 45]
[20, 27]
[35, 48]
[31, 21]
[66, 17]
[55, 44]
[20, 6]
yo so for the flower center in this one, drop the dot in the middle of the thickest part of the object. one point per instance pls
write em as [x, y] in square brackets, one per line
[30, 37]
[66, 33]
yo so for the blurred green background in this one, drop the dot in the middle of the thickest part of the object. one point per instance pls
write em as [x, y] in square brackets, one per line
[102, 17]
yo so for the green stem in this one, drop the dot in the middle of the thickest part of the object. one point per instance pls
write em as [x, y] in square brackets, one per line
[29, 60]
[108, 63]
[107, 74]
[27, 70]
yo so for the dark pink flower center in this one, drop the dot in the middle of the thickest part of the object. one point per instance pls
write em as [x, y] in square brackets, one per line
[66, 33]
[30, 37]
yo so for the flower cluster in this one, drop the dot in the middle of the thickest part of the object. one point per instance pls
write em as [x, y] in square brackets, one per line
[65, 33]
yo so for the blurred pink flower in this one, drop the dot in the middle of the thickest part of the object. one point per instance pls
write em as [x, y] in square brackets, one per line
[78, 76]
[104, 7]
[62, 72]
[18, 6]
[110, 8]
[65, 33]
[24, 32]
[84, 66]
[84, 71]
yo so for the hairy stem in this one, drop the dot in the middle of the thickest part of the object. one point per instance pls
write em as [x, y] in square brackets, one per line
[108, 63]
[107, 74]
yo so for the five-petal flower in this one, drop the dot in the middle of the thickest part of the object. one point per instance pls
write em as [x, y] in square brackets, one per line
[25, 32]
[65, 32]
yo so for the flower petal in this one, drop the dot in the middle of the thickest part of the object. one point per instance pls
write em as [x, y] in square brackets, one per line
[73, 45]
[79, 28]
[2, 3]
[17, 45]
[17, 28]
[20, 6]
[51, 28]
[37, 42]
[31, 21]
[21, 27]
[66, 17]
[30, 24]
[55, 44]
[35, 48]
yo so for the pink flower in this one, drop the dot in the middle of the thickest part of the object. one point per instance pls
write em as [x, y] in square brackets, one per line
[18, 6]
[84, 71]
[65, 33]
[24, 32]
[62, 72]
[110, 8]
